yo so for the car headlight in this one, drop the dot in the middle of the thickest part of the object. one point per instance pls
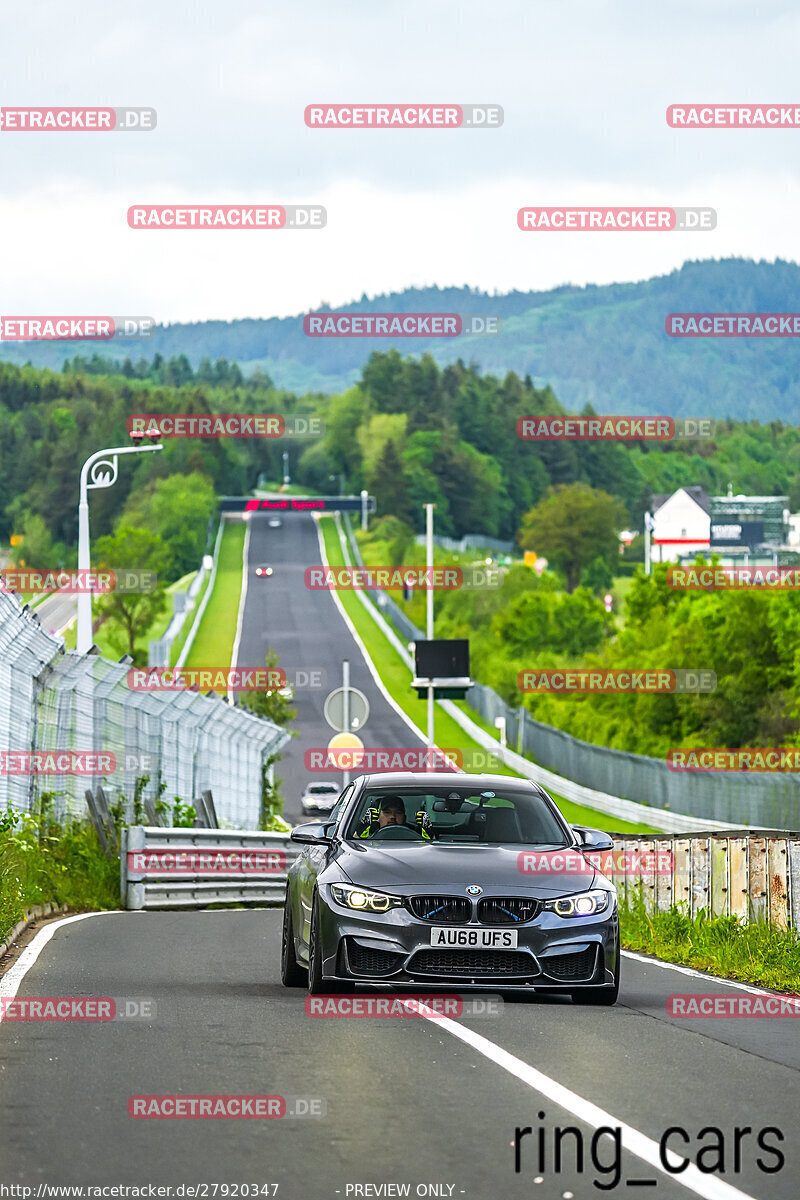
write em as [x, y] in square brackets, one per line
[364, 900]
[585, 904]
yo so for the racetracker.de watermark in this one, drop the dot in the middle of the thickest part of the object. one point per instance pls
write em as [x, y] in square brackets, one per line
[227, 216]
[229, 679]
[403, 116]
[77, 1008]
[752, 758]
[410, 325]
[219, 425]
[57, 762]
[73, 329]
[727, 325]
[401, 758]
[77, 120]
[710, 1004]
[230, 1107]
[211, 860]
[402, 1004]
[616, 219]
[611, 429]
[554, 863]
[733, 116]
[562, 682]
[72, 583]
[731, 579]
[425, 578]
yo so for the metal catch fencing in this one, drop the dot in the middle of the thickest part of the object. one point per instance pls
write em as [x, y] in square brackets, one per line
[758, 800]
[54, 701]
[753, 876]
[192, 868]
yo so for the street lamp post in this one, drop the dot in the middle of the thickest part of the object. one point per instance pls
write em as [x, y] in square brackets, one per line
[103, 475]
[649, 526]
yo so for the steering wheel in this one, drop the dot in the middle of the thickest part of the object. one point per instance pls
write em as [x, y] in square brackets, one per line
[396, 833]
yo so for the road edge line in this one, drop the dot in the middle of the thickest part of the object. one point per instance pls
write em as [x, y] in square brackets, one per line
[9, 983]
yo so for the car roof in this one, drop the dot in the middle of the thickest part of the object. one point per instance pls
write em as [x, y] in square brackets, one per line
[446, 779]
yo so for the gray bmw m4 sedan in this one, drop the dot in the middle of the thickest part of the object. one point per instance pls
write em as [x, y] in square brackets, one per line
[438, 879]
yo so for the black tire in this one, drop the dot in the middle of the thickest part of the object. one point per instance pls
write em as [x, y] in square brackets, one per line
[317, 985]
[292, 974]
[605, 996]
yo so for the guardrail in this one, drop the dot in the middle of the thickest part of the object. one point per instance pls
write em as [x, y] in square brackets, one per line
[192, 868]
[753, 876]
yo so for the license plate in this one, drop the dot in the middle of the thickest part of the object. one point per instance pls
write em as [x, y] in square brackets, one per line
[447, 936]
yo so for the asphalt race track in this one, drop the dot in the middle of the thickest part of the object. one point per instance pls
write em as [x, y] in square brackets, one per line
[408, 1100]
[307, 631]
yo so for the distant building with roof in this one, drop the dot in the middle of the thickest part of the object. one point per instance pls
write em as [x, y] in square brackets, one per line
[690, 522]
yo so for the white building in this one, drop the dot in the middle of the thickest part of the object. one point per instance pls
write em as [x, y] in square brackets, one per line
[681, 524]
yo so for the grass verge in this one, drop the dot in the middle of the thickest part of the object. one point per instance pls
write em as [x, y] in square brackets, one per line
[213, 644]
[757, 953]
[397, 677]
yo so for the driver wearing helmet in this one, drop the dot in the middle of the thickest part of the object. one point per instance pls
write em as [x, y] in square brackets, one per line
[392, 811]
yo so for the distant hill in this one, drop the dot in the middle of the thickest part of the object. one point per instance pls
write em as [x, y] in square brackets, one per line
[601, 345]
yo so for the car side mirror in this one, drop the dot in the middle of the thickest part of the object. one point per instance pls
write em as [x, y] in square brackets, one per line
[593, 839]
[311, 833]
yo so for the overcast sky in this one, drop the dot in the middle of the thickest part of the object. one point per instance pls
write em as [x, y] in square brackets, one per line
[584, 85]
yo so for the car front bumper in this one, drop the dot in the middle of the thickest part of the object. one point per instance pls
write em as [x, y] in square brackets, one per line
[394, 949]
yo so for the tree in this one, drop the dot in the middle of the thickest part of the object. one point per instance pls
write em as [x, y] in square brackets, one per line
[273, 703]
[597, 577]
[572, 526]
[177, 508]
[389, 484]
[130, 614]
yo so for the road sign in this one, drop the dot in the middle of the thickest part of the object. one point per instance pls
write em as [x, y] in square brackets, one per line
[345, 751]
[358, 709]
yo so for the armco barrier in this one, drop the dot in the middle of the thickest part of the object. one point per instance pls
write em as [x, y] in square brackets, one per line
[191, 868]
[750, 876]
[753, 876]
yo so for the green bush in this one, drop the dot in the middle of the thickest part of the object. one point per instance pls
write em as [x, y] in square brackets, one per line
[43, 860]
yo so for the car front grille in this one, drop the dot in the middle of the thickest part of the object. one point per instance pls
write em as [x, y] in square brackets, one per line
[367, 960]
[445, 910]
[472, 963]
[507, 910]
[575, 968]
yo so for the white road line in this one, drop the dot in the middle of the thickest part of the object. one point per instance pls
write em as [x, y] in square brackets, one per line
[732, 983]
[9, 983]
[707, 1186]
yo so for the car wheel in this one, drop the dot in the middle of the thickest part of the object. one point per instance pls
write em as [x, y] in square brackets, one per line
[292, 974]
[316, 983]
[606, 996]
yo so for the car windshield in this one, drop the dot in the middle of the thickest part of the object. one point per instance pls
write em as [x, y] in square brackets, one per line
[456, 816]
[319, 789]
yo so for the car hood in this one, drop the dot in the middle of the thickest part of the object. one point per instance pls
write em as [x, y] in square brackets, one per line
[432, 868]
